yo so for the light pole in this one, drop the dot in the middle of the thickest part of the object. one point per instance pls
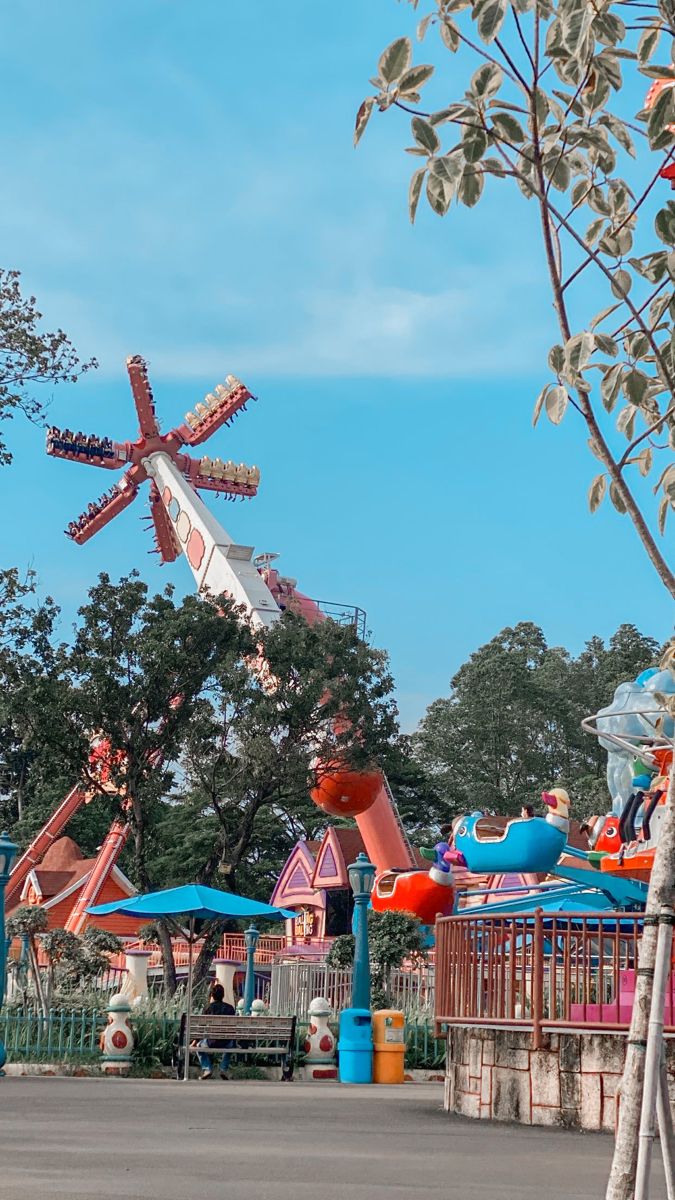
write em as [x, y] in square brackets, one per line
[361, 878]
[251, 936]
[7, 855]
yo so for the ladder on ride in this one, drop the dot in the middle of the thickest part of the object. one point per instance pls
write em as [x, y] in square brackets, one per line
[399, 822]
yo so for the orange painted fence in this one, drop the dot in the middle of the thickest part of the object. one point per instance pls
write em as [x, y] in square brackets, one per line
[232, 946]
[540, 971]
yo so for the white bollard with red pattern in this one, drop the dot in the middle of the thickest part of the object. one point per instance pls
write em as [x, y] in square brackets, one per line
[117, 1039]
[319, 1044]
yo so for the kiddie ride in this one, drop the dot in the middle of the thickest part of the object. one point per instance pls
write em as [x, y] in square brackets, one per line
[485, 847]
[637, 733]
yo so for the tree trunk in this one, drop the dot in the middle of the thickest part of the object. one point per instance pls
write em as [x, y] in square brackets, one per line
[37, 978]
[621, 1184]
[167, 958]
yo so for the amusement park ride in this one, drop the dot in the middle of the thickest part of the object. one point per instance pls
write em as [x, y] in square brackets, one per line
[528, 847]
[183, 524]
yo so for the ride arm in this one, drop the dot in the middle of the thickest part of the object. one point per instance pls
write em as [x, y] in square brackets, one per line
[113, 845]
[142, 393]
[42, 841]
[166, 541]
[92, 452]
[201, 475]
[90, 523]
[223, 406]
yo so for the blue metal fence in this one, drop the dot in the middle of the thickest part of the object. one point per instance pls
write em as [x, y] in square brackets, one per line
[61, 1034]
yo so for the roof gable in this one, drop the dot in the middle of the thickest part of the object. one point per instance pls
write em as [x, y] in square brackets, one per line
[338, 850]
[294, 885]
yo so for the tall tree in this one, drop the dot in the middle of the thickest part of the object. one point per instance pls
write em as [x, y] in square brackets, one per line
[545, 108]
[209, 754]
[30, 357]
[251, 751]
[511, 726]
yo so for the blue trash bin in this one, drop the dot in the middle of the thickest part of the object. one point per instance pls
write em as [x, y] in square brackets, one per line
[355, 1046]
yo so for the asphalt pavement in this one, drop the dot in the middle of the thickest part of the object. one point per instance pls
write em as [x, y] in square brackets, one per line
[138, 1139]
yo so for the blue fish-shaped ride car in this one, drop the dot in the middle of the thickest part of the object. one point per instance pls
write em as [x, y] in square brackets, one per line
[527, 844]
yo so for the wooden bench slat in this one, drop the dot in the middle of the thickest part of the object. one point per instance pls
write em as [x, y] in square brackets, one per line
[268, 1036]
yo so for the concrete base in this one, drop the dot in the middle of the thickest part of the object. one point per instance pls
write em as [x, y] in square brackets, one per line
[572, 1081]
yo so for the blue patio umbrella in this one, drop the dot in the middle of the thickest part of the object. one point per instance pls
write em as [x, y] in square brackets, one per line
[197, 903]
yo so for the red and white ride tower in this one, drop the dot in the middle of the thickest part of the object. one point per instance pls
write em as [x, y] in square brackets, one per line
[183, 524]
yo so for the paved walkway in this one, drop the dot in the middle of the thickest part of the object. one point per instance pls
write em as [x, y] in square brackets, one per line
[160, 1140]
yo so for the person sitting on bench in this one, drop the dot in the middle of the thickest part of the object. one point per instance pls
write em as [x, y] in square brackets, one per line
[218, 1006]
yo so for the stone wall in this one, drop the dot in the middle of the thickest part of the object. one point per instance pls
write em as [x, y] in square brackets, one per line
[571, 1081]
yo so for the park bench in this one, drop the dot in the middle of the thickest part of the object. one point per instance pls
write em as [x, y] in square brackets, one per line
[263, 1037]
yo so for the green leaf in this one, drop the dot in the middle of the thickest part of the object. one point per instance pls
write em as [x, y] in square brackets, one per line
[664, 505]
[558, 172]
[494, 165]
[594, 230]
[508, 128]
[486, 81]
[425, 135]
[660, 117]
[657, 308]
[424, 25]
[664, 224]
[645, 461]
[414, 78]
[617, 499]
[611, 385]
[439, 201]
[362, 118]
[556, 359]
[474, 142]
[450, 34]
[626, 421]
[606, 344]
[647, 44]
[539, 403]
[470, 188]
[556, 403]
[395, 59]
[596, 492]
[621, 283]
[619, 132]
[489, 17]
[454, 112]
[635, 386]
[414, 192]
[449, 170]
[578, 350]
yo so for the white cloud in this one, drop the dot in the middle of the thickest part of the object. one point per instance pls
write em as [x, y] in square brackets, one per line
[378, 330]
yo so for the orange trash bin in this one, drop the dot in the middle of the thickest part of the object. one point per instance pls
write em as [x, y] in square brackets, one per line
[388, 1046]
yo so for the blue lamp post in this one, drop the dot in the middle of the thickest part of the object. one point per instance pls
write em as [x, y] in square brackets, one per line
[361, 878]
[7, 855]
[251, 936]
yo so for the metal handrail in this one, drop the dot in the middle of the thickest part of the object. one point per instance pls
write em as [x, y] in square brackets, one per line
[539, 970]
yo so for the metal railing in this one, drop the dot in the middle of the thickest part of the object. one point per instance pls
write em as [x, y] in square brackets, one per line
[344, 614]
[233, 946]
[60, 1034]
[294, 985]
[540, 971]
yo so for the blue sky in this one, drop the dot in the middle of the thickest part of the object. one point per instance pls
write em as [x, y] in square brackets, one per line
[180, 182]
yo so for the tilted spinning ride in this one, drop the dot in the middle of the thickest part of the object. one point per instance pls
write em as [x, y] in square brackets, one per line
[183, 524]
